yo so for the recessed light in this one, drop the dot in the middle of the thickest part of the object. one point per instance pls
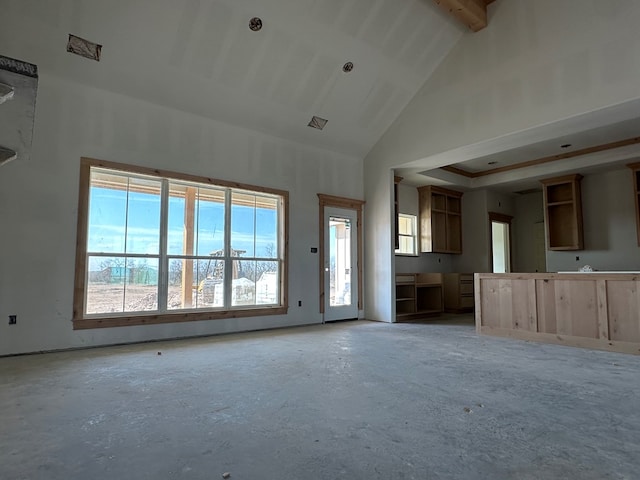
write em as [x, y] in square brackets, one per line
[317, 122]
[347, 67]
[566, 145]
[255, 24]
[492, 163]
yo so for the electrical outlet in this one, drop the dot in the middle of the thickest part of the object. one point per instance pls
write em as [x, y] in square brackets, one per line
[299, 303]
[577, 259]
[13, 319]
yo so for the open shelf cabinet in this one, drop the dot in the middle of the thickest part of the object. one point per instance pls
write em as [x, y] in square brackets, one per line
[563, 212]
[418, 295]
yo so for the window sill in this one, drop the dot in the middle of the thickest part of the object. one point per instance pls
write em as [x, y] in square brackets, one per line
[125, 321]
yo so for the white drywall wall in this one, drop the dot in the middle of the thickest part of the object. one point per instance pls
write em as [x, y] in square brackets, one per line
[610, 240]
[38, 206]
[537, 63]
[475, 234]
[408, 200]
[529, 211]
[379, 266]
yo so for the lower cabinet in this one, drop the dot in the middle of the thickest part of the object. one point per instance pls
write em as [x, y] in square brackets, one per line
[418, 294]
[458, 292]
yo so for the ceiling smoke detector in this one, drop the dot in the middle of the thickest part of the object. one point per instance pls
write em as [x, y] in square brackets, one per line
[317, 122]
[255, 24]
[347, 67]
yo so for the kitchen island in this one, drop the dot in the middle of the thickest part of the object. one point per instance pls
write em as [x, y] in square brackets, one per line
[599, 310]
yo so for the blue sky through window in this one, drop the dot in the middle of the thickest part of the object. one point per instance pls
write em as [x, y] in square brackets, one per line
[254, 229]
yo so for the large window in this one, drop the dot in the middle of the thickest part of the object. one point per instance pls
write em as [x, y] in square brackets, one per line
[156, 247]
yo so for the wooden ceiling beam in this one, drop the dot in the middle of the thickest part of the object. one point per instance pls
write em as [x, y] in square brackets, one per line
[472, 13]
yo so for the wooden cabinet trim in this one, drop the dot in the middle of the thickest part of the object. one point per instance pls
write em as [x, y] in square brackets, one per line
[635, 171]
[563, 216]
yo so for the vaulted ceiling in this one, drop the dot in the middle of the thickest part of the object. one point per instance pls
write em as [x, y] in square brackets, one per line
[200, 56]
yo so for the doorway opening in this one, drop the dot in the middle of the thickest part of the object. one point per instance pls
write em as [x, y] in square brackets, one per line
[500, 254]
[340, 257]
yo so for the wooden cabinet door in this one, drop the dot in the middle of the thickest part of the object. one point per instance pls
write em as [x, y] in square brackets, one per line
[440, 220]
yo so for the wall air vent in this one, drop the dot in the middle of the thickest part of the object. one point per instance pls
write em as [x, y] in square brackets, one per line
[6, 92]
[317, 122]
[6, 155]
[18, 91]
[84, 48]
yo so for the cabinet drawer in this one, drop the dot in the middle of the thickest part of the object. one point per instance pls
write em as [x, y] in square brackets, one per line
[409, 278]
[466, 277]
[466, 302]
[466, 288]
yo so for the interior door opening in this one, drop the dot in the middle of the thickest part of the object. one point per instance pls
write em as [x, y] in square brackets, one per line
[500, 242]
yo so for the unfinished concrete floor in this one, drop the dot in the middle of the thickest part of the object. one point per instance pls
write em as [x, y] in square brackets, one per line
[356, 400]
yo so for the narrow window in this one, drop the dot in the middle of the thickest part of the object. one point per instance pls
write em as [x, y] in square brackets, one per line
[407, 235]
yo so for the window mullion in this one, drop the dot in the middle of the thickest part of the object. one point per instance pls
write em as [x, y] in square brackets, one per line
[228, 262]
[163, 263]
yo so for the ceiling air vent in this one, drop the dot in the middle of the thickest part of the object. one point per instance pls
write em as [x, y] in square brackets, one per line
[84, 48]
[317, 122]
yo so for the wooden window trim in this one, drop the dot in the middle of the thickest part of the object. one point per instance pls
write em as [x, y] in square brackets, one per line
[635, 168]
[96, 321]
[415, 236]
[349, 204]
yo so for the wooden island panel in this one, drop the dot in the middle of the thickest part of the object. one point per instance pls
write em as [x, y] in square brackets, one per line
[624, 301]
[590, 310]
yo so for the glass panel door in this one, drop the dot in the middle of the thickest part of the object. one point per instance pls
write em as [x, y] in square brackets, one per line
[340, 264]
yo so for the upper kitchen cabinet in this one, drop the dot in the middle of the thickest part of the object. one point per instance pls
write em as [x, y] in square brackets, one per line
[440, 220]
[563, 212]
